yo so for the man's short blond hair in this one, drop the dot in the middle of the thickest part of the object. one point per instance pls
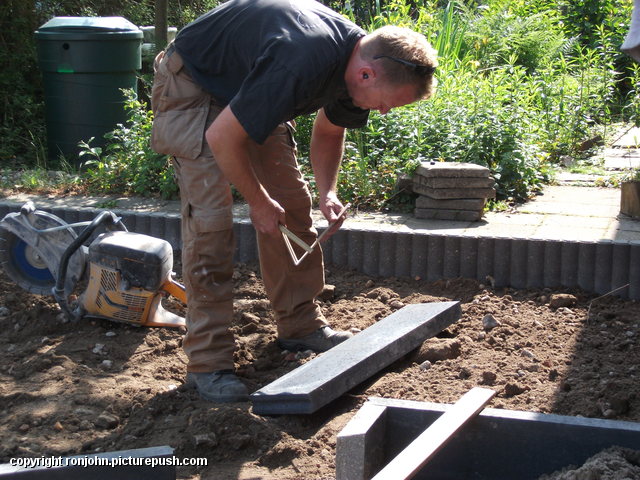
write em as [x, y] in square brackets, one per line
[397, 50]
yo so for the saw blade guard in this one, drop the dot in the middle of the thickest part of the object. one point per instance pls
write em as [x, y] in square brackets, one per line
[32, 243]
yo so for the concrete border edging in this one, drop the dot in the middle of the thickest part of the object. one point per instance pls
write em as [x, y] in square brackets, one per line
[598, 267]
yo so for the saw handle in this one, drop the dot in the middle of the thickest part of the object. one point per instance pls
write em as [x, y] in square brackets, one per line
[176, 289]
[107, 218]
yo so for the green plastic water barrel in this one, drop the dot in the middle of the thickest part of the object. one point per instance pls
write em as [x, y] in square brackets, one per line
[85, 64]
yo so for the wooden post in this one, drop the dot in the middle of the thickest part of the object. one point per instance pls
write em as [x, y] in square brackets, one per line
[630, 199]
[161, 14]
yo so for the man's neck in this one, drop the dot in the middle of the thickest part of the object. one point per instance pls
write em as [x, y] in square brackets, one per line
[353, 66]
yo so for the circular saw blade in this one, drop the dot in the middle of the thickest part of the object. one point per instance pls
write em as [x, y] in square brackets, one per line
[24, 265]
[32, 243]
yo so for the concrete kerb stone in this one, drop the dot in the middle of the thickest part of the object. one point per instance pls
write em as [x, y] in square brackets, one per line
[598, 267]
[502, 262]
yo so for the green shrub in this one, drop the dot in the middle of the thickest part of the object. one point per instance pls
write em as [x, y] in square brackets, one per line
[127, 164]
[21, 109]
[501, 37]
[488, 125]
[522, 83]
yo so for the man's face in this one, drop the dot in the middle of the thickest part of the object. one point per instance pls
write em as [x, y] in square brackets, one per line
[381, 96]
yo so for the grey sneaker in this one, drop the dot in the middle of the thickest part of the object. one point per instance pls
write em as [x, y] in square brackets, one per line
[319, 341]
[222, 386]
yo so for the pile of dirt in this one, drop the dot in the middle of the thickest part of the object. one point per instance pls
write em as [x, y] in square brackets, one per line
[613, 463]
[94, 386]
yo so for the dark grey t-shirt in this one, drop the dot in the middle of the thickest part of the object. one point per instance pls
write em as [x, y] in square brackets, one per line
[273, 60]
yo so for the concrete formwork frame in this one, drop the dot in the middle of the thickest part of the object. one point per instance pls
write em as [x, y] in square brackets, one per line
[495, 445]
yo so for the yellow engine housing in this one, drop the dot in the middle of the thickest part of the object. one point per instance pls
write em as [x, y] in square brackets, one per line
[129, 274]
[104, 298]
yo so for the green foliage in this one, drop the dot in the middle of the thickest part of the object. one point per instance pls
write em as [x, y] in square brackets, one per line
[127, 164]
[22, 126]
[583, 18]
[141, 12]
[449, 40]
[38, 179]
[631, 101]
[500, 37]
[516, 92]
[522, 83]
[488, 126]
[21, 112]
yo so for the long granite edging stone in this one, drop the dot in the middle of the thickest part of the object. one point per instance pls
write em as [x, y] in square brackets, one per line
[598, 267]
[323, 379]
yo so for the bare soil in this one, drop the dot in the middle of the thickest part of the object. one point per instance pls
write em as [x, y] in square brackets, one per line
[94, 386]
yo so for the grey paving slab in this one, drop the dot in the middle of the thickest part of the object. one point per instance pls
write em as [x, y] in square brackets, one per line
[558, 232]
[577, 179]
[630, 139]
[572, 210]
[600, 223]
[622, 160]
[622, 222]
[572, 196]
[454, 182]
[498, 444]
[444, 214]
[451, 169]
[451, 204]
[458, 192]
[621, 235]
[517, 220]
[326, 377]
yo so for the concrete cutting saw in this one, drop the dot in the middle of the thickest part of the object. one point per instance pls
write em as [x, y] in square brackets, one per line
[104, 271]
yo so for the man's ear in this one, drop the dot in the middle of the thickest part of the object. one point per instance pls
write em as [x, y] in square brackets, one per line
[365, 74]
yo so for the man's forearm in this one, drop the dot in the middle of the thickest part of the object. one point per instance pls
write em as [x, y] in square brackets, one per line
[233, 160]
[229, 144]
[327, 148]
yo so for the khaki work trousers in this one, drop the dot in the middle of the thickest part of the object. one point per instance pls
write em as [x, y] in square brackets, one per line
[183, 112]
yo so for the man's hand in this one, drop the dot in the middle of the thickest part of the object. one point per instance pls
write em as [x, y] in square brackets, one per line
[327, 143]
[267, 217]
[331, 208]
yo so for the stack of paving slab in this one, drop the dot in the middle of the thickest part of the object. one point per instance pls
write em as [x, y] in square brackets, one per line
[452, 190]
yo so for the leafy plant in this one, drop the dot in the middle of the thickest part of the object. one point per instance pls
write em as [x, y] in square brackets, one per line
[522, 84]
[501, 37]
[127, 164]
